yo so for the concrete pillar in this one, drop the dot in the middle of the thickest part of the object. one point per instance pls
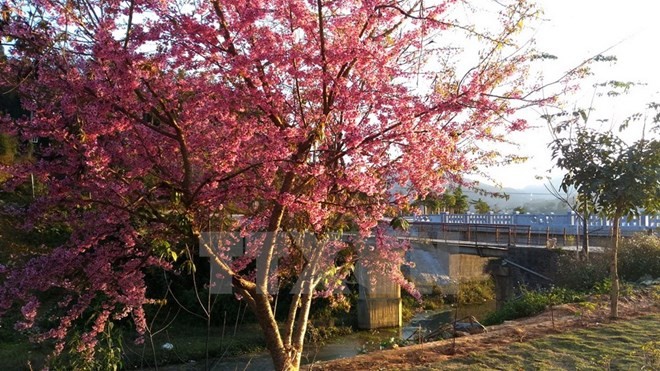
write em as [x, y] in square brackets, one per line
[379, 300]
[503, 285]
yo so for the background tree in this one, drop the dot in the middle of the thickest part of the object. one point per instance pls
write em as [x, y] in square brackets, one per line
[434, 203]
[620, 179]
[480, 206]
[299, 116]
[519, 210]
[461, 203]
[583, 207]
[568, 124]
[430, 204]
[448, 202]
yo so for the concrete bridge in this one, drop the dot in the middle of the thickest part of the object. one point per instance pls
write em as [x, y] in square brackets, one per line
[555, 224]
[447, 252]
[451, 248]
[483, 251]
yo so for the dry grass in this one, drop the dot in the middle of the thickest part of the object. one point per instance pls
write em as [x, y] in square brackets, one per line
[582, 337]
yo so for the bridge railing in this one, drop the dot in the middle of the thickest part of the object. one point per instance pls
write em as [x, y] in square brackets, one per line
[553, 223]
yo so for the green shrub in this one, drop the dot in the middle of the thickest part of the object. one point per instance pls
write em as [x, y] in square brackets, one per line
[530, 303]
[473, 292]
[582, 275]
[321, 334]
[605, 287]
[409, 306]
[435, 300]
[639, 256]
[107, 356]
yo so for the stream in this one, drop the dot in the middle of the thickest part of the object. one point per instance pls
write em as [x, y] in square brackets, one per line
[361, 341]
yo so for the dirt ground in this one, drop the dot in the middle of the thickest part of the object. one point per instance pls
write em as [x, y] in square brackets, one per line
[566, 318]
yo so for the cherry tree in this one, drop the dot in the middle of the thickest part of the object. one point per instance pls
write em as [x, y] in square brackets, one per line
[317, 116]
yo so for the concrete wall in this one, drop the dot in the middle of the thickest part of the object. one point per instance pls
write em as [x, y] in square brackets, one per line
[379, 313]
[509, 278]
[542, 261]
[440, 266]
[468, 267]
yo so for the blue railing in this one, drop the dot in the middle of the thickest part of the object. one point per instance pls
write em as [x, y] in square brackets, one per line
[553, 223]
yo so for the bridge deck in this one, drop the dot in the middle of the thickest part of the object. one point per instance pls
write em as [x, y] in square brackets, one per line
[489, 249]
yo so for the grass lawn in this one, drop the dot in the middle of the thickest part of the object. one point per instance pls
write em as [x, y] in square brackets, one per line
[624, 345]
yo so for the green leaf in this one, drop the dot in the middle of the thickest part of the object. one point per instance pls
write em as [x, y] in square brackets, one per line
[400, 223]
[584, 116]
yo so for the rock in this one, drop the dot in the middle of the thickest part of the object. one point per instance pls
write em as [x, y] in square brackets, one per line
[471, 327]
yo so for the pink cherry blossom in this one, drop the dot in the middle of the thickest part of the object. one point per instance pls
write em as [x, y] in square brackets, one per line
[160, 120]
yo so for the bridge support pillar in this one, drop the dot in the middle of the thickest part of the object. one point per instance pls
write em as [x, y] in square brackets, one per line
[379, 300]
[503, 285]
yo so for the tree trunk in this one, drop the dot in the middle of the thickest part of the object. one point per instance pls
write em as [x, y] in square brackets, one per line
[282, 358]
[614, 272]
[286, 347]
[585, 228]
[286, 351]
[259, 302]
[585, 236]
[298, 340]
[282, 355]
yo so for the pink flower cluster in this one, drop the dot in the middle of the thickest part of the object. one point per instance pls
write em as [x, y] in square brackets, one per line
[155, 131]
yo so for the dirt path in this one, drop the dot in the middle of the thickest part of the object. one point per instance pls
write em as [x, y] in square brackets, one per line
[566, 318]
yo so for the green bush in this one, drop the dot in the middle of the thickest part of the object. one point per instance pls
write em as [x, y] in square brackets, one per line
[107, 356]
[582, 275]
[473, 292]
[321, 334]
[530, 303]
[409, 306]
[639, 256]
[605, 287]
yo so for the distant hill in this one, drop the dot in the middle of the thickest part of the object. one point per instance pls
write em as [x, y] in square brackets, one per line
[533, 198]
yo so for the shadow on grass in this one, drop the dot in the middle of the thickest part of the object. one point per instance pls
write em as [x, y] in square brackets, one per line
[182, 343]
[616, 346]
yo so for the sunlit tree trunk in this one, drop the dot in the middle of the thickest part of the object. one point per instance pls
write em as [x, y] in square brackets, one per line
[585, 225]
[585, 235]
[614, 272]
